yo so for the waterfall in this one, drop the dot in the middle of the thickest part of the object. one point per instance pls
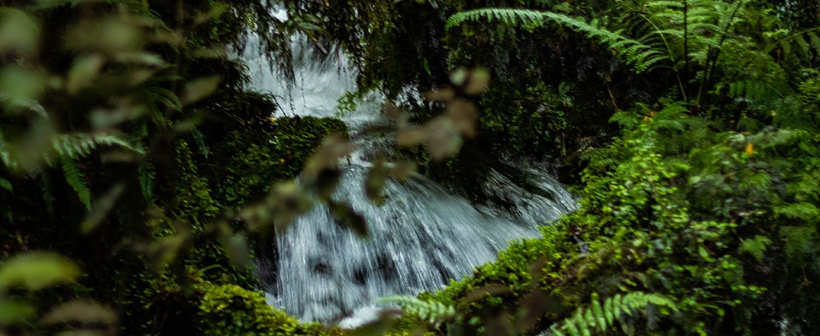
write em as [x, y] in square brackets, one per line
[421, 237]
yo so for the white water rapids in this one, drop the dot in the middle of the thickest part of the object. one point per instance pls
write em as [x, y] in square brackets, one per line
[422, 236]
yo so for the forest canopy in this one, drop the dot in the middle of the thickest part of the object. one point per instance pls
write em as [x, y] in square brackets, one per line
[141, 176]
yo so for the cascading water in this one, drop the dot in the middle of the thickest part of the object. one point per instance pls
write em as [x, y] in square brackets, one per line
[421, 237]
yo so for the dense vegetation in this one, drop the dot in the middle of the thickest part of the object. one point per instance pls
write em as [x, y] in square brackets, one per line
[138, 171]
[128, 143]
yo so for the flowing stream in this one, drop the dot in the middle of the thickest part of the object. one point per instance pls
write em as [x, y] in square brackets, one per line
[421, 237]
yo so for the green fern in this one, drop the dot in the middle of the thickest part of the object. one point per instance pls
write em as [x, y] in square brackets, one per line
[199, 138]
[69, 148]
[431, 311]
[600, 317]
[807, 42]
[48, 196]
[641, 56]
[686, 37]
[799, 242]
[750, 90]
[77, 180]
[756, 247]
[147, 176]
[82, 144]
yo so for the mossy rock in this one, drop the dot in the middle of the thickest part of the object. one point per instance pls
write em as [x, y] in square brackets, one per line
[251, 161]
[232, 310]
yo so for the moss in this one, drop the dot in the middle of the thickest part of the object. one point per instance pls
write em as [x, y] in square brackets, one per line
[153, 304]
[193, 205]
[252, 160]
[232, 310]
[255, 162]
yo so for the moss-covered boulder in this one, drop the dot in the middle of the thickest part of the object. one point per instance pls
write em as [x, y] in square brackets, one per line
[251, 160]
[233, 310]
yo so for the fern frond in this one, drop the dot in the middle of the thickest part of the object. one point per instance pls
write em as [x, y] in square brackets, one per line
[77, 180]
[82, 144]
[147, 176]
[664, 4]
[635, 53]
[753, 91]
[48, 195]
[22, 104]
[814, 39]
[806, 40]
[431, 311]
[164, 97]
[66, 149]
[199, 138]
[599, 318]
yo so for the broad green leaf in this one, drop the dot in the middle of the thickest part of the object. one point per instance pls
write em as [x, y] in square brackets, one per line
[163, 252]
[5, 184]
[216, 10]
[111, 35]
[84, 72]
[81, 332]
[12, 312]
[445, 94]
[478, 81]
[37, 270]
[463, 116]
[19, 32]
[703, 253]
[349, 218]
[459, 77]
[326, 182]
[403, 170]
[141, 58]
[442, 138]
[237, 248]
[100, 208]
[374, 182]
[333, 148]
[410, 137]
[80, 312]
[46, 4]
[200, 88]
[21, 84]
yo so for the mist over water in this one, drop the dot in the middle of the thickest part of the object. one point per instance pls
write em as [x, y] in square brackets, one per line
[420, 238]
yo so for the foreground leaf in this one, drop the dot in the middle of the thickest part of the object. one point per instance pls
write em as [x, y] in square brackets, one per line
[81, 312]
[12, 312]
[37, 270]
[349, 218]
[200, 88]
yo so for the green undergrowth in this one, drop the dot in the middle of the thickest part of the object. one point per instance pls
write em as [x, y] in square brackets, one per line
[232, 310]
[251, 160]
[172, 287]
[721, 226]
